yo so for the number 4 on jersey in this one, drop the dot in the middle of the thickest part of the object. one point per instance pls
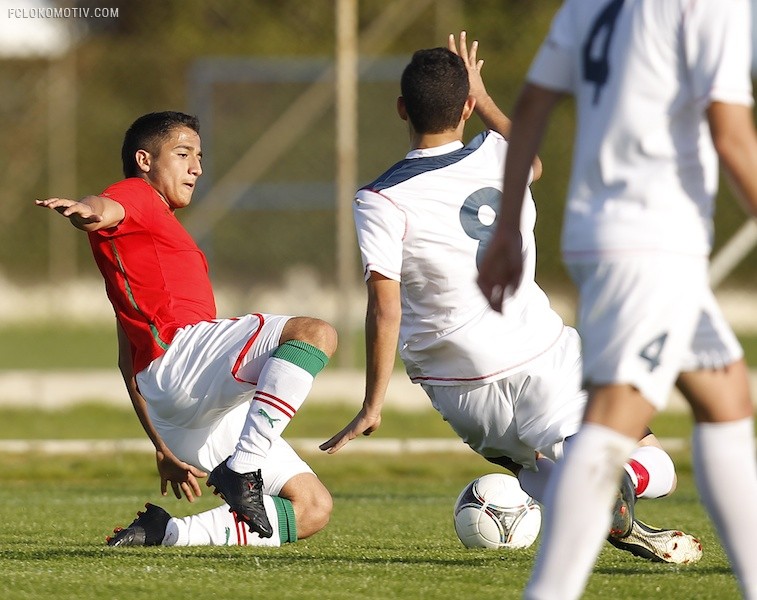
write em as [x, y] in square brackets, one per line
[596, 48]
[652, 351]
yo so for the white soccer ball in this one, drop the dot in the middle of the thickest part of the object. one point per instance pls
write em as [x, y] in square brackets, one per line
[493, 511]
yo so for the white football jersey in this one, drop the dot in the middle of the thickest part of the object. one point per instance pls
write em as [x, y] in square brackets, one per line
[426, 223]
[643, 73]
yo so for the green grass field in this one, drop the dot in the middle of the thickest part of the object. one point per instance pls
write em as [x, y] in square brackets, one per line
[65, 347]
[98, 422]
[391, 532]
[390, 536]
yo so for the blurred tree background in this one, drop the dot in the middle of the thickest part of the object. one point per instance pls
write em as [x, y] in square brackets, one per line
[147, 58]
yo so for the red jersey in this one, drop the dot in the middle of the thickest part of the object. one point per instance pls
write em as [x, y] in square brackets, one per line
[155, 275]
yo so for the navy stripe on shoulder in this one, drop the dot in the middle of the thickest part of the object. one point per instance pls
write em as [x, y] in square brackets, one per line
[410, 167]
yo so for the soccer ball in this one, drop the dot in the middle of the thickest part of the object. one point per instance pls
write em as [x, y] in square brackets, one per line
[493, 511]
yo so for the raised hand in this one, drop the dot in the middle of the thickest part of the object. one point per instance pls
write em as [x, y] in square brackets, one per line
[472, 63]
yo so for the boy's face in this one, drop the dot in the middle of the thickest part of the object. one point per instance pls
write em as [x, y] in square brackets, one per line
[174, 170]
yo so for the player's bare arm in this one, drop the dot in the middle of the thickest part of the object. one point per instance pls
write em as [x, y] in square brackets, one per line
[182, 476]
[733, 133]
[486, 109]
[382, 323]
[502, 267]
[88, 214]
[491, 115]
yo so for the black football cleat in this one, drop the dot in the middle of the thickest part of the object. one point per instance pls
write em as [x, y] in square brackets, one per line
[243, 492]
[148, 529]
[623, 510]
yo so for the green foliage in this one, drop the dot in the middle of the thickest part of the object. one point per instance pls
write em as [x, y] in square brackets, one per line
[142, 61]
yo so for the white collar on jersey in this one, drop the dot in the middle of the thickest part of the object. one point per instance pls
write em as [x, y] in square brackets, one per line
[436, 150]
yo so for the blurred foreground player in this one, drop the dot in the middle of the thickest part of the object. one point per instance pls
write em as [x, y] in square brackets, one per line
[213, 395]
[662, 90]
[509, 385]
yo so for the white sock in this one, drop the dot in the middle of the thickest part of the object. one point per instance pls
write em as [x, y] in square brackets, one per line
[281, 390]
[218, 527]
[534, 483]
[726, 475]
[577, 513]
[652, 472]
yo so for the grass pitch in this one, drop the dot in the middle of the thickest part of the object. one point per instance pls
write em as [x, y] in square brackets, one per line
[56, 346]
[391, 533]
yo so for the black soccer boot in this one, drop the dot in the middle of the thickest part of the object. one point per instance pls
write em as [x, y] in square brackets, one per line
[148, 529]
[622, 512]
[243, 492]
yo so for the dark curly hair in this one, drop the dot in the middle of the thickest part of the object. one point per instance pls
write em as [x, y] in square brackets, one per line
[435, 86]
[147, 133]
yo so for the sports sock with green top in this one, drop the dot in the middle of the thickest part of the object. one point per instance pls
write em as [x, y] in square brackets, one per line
[285, 381]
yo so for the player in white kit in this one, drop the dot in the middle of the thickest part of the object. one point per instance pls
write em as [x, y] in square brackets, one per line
[662, 91]
[509, 385]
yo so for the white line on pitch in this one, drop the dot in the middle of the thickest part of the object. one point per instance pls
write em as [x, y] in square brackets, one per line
[302, 445]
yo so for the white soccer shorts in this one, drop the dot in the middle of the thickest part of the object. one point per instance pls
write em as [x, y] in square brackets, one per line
[198, 393]
[645, 318]
[532, 410]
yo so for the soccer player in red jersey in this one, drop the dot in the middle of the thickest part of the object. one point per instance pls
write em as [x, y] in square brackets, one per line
[213, 395]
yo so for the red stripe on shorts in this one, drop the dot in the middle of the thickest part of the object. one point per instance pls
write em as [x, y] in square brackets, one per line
[245, 349]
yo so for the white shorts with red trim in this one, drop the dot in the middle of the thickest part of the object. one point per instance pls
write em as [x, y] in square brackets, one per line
[198, 393]
[532, 410]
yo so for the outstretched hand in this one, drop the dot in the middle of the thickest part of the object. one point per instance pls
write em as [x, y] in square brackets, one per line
[182, 476]
[79, 212]
[363, 424]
